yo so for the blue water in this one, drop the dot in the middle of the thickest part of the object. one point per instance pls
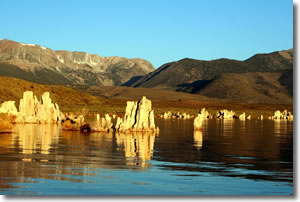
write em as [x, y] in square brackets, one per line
[227, 158]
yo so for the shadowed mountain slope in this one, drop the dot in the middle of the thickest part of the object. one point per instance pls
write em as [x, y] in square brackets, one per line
[186, 71]
[252, 87]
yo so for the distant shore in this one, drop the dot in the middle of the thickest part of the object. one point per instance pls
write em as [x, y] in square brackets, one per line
[117, 106]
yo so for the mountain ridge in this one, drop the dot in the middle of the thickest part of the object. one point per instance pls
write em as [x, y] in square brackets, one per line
[77, 67]
[189, 70]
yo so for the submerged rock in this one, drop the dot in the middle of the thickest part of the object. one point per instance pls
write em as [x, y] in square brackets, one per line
[139, 116]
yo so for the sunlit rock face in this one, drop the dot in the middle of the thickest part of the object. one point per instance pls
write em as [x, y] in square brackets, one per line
[47, 112]
[225, 114]
[139, 116]
[205, 113]
[198, 121]
[46, 66]
[28, 108]
[285, 115]
[103, 124]
[33, 111]
[8, 107]
[73, 123]
[178, 115]
[242, 116]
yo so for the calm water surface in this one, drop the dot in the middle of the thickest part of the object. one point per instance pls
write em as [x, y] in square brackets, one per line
[228, 157]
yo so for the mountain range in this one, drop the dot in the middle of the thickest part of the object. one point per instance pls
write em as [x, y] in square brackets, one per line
[262, 78]
[187, 71]
[266, 78]
[42, 65]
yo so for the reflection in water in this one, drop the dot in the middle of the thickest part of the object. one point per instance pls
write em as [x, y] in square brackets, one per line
[227, 127]
[35, 139]
[198, 138]
[251, 151]
[277, 126]
[5, 140]
[138, 147]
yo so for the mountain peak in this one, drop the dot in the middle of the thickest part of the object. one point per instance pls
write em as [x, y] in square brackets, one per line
[78, 67]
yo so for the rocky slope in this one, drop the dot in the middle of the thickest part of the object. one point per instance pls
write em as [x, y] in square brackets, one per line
[251, 87]
[188, 72]
[263, 78]
[43, 65]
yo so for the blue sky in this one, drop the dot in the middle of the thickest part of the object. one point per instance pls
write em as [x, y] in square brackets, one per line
[158, 30]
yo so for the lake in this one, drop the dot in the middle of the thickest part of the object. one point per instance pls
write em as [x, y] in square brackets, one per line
[228, 157]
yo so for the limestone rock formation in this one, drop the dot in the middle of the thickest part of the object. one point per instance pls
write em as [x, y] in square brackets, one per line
[249, 117]
[167, 115]
[47, 111]
[242, 116]
[8, 107]
[139, 116]
[225, 114]
[205, 113]
[285, 115]
[178, 115]
[73, 122]
[198, 121]
[103, 124]
[33, 111]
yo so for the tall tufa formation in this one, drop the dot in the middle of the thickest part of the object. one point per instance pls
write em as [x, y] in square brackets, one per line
[198, 121]
[139, 116]
[33, 111]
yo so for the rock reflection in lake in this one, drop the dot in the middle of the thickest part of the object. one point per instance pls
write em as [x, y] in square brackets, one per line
[138, 147]
[34, 139]
[198, 138]
[225, 153]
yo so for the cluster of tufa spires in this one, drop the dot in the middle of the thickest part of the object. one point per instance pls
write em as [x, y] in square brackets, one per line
[32, 110]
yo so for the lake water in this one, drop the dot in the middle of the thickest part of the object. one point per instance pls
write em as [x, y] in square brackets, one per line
[228, 157]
